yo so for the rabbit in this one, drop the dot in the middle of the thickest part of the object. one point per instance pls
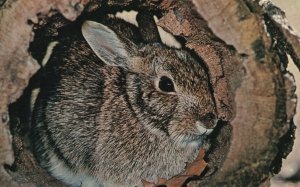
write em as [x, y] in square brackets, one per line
[111, 113]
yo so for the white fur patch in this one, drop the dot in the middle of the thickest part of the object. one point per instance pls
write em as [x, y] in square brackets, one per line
[183, 142]
[48, 52]
[61, 172]
[129, 16]
[166, 37]
[34, 94]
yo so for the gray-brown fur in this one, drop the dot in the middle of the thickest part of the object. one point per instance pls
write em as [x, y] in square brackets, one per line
[110, 124]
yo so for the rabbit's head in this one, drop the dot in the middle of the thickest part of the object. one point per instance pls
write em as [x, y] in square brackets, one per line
[168, 90]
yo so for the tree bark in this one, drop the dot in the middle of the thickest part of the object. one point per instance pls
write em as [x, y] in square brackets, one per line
[244, 44]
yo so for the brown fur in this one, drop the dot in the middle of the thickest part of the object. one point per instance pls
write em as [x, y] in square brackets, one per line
[112, 123]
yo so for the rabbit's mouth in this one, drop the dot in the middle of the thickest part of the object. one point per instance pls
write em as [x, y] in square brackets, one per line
[202, 129]
[196, 138]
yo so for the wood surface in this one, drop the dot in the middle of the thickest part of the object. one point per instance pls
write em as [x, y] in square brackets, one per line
[243, 46]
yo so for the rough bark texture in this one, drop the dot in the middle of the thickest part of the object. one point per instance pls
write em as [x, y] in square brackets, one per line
[254, 93]
[289, 174]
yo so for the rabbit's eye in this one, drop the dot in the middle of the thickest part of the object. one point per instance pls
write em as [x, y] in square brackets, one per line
[166, 84]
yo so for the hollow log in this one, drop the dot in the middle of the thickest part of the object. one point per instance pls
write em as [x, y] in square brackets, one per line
[243, 43]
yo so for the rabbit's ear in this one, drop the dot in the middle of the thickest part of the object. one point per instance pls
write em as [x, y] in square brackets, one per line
[105, 43]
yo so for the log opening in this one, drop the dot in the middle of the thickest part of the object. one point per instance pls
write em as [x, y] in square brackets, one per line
[251, 86]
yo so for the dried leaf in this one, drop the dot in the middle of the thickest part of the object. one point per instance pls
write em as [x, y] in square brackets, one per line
[161, 181]
[148, 184]
[197, 166]
[193, 169]
[177, 181]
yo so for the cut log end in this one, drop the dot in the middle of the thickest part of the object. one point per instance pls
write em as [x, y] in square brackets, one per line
[254, 97]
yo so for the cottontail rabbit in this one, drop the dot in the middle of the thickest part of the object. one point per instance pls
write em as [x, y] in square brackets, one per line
[111, 112]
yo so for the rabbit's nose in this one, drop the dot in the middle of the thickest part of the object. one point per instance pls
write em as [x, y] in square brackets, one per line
[203, 129]
[208, 121]
[206, 124]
